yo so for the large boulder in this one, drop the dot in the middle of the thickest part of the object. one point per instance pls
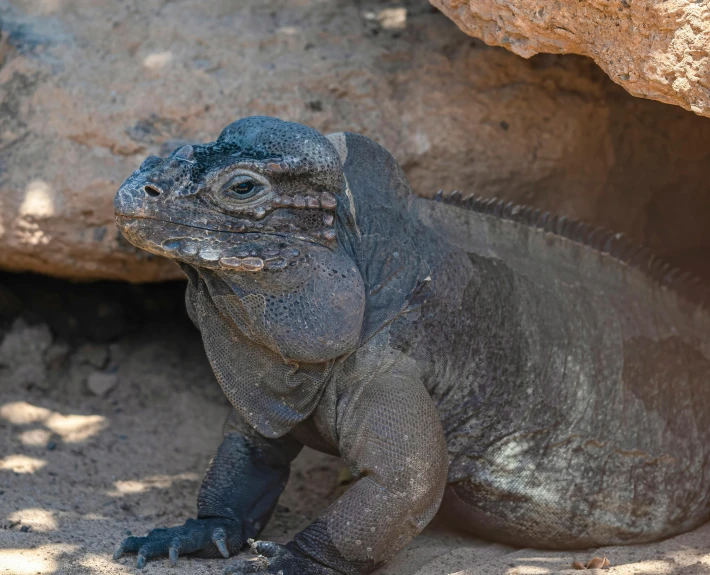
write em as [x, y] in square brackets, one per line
[658, 50]
[88, 89]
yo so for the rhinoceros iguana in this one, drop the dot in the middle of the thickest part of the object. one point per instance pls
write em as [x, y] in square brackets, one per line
[547, 380]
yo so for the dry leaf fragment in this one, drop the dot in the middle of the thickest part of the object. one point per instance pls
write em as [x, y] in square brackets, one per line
[598, 563]
[593, 563]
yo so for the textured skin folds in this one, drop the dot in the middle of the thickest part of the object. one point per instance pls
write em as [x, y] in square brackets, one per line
[584, 417]
[546, 381]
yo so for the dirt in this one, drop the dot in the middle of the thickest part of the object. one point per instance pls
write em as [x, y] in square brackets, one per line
[78, 470]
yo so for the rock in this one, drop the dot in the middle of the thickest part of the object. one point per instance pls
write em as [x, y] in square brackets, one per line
[89, 89]
[22, 355]
[657, 50]
[100, 383]
[93, 354]
[56, 356]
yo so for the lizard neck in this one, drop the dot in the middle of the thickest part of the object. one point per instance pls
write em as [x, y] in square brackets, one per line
[378, 227]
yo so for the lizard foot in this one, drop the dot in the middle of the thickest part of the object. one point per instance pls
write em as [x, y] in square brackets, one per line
[275, 559]
[211, 537]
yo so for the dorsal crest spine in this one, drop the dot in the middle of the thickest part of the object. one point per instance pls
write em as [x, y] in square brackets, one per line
[612, 244]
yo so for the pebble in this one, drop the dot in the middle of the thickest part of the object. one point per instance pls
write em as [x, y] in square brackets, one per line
[100, 383]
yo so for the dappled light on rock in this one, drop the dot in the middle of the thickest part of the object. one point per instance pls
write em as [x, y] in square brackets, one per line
[39, 200]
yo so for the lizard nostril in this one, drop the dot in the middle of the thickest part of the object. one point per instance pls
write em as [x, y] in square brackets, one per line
[151, 191]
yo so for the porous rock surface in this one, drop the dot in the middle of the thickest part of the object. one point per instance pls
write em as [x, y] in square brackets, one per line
[658, 49]
[88, 89]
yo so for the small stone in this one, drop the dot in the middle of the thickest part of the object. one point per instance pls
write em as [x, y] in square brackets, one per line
[51, 446]
[100, 383]
[93, 354]
[56, 354]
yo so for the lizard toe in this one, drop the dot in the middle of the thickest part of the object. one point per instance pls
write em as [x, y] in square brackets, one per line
[208, 537]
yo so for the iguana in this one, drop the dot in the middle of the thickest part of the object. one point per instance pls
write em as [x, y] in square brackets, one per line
[547, 380]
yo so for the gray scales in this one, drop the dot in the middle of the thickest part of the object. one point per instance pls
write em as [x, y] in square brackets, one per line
[543, 382]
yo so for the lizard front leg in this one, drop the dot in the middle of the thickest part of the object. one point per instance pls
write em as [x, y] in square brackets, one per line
[236, 499]
[391, 436]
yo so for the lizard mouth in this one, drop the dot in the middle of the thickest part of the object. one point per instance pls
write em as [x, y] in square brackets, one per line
[122, 220]
[214, 248]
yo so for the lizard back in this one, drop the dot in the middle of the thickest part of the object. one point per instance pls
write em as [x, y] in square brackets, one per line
[571, 370]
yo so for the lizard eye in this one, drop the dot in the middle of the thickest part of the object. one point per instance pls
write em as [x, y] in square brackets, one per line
[241, 187]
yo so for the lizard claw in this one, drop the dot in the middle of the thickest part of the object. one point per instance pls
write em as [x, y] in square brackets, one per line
[174, 552]
[118, 553]
[219, 538]
[208, 537]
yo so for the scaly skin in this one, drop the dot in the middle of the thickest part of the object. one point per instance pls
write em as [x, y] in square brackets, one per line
[537, 368]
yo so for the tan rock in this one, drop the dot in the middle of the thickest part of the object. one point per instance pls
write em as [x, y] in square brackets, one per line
[654, 49]
[100, 383]
[88, 89]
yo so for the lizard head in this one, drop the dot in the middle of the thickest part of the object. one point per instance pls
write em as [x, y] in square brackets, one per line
[253, 220]
[259, 199]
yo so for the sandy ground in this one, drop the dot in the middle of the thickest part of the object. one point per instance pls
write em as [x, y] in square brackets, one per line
[78, 469]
